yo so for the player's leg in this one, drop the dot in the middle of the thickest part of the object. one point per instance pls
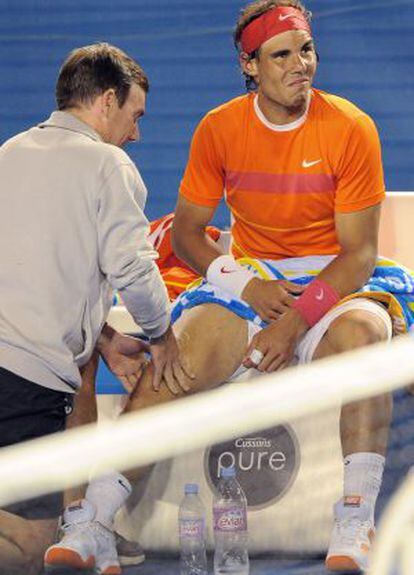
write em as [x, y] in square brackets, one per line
[364, 424]
[83, 504]
[212, 342]
[364, 427]
[84, 412]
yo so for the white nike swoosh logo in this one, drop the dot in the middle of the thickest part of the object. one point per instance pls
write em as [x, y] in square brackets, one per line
[319, 296]
[306, 164]
[286, 16]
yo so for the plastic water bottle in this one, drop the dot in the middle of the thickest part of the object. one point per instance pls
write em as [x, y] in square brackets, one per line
[230, 526]
[192, 530]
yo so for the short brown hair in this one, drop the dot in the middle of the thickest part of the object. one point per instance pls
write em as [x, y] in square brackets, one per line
[91, 70]
[253, 11]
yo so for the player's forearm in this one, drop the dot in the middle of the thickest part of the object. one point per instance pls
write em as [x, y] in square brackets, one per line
[350, 270]
[196, 249]
[346, 274]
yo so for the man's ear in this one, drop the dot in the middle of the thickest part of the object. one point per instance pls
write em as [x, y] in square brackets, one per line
[248, 64]
[108, 100]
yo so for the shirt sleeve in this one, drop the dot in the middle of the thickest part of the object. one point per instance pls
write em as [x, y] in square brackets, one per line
[126, 257]
[203, 181]
[360, 178]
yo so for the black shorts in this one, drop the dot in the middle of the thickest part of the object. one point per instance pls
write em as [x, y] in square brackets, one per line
[27, 411]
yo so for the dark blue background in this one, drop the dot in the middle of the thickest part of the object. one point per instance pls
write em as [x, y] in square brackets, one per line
[366, 50]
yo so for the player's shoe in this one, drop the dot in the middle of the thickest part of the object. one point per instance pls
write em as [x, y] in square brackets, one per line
[352, 537]
[129, 552]
[85, 545]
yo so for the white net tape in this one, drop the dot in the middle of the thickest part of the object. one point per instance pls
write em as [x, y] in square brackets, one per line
[47, 464]
[137, 439]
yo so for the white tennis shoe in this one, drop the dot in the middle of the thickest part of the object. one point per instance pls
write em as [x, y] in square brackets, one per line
[351, 538]
[86, 544]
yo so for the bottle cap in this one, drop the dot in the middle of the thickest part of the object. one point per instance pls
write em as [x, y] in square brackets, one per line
[228, 471]
[191, 488]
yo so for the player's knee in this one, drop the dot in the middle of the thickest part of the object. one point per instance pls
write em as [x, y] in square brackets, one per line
[194, 385]
[352, 331]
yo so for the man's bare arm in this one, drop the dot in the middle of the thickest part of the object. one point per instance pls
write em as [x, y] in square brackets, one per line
[358, 237]
[189, 239]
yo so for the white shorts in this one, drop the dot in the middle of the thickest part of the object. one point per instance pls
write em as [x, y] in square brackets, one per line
[310, 341]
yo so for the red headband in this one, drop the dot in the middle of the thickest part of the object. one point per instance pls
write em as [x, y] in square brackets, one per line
[279, 19]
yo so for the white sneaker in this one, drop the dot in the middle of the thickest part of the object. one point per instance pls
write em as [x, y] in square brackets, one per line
[351, 538]
[86, 544]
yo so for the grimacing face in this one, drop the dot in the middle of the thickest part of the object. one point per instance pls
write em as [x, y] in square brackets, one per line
[122, 123]
[284, 69]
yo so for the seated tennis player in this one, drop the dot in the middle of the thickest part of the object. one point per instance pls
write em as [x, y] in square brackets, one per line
[301, 172]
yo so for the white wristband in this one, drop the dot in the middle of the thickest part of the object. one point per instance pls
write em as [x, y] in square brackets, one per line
[225, 273]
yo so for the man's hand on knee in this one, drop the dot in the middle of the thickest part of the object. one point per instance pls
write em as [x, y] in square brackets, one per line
[124, 356]
[169, 367]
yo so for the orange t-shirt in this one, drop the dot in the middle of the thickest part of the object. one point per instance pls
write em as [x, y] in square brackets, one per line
[284, 187]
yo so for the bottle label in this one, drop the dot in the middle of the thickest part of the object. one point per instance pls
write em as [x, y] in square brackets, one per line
[191, 528]
[230, 519]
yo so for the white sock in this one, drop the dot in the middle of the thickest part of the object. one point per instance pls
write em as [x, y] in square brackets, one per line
[108, 493]
[363, 477]
[79, 511]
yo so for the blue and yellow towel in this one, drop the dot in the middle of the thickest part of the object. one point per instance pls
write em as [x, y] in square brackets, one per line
[391, 284]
